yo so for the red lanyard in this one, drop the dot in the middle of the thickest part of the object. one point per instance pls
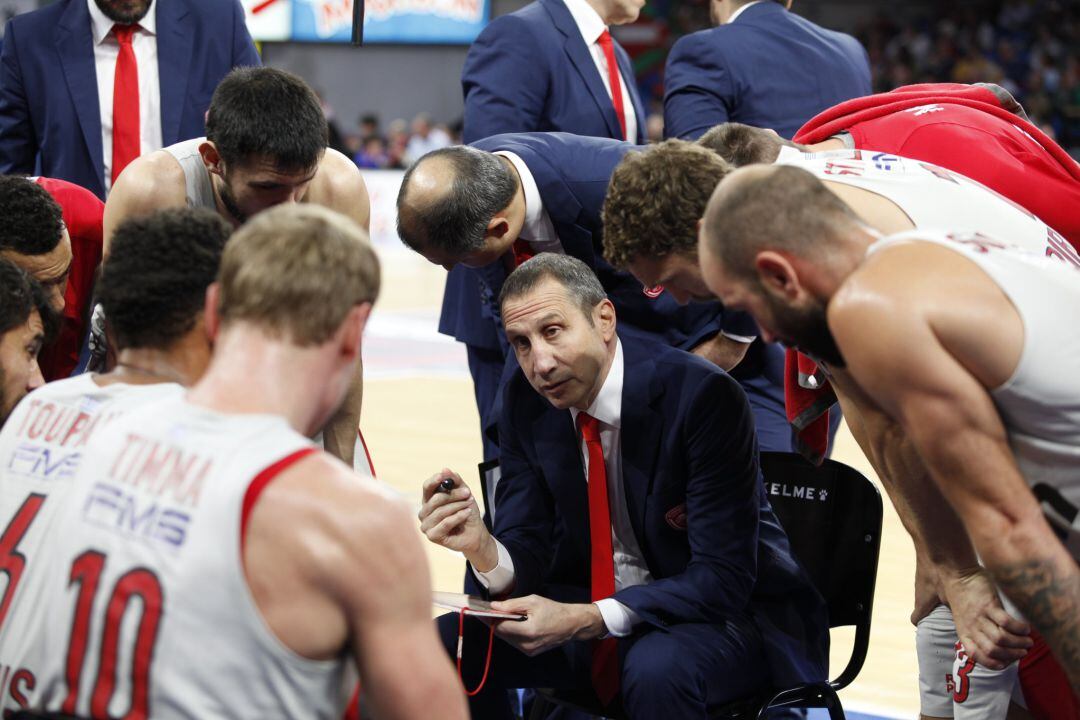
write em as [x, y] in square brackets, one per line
[487, 661]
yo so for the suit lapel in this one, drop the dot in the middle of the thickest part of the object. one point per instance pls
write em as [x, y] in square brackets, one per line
[75, 47]
[582, 59]
[175, 38]
[560, 458]
[642, 428]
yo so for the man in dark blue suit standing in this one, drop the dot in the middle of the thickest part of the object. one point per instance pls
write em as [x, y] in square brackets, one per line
[647, 455]
[61, 67]
[546, 67]
[762, 66]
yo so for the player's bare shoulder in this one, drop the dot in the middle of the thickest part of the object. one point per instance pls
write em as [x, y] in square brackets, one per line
[150, 183]
[153, 178]
[345, 517]
[890, 276]
[339, 186]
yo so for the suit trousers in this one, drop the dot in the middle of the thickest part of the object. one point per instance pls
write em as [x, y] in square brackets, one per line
[683, 671]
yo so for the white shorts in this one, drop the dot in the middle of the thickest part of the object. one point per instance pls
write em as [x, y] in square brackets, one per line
[953, 686]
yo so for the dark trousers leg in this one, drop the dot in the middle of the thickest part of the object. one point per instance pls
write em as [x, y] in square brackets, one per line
[774, 432]
[486, 367]
[692, 670]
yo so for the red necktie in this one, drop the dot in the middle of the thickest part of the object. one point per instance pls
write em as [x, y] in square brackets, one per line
[605, 660]
[126, 143]
[522, 251]
[613, 77]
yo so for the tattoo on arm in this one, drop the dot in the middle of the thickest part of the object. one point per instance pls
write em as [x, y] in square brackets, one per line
[1049, 596]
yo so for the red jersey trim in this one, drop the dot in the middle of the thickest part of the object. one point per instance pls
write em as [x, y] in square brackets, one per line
[367, 453]
[259, 483]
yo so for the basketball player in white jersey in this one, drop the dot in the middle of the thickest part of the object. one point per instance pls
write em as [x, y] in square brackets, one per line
[265, 145]
[955, 338]
[153, 287]
[252, 570]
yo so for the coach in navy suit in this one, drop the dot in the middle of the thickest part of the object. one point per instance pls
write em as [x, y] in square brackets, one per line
[533, 71]
[647, 455]
[50, 117]
[508, 194]
[763, 66]
[537, 69]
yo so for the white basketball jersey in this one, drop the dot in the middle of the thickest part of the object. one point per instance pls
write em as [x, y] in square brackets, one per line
[934, 198]
[1040, 403]
[151, 614]
[41, 447]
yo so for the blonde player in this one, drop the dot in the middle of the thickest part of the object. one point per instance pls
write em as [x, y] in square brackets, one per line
[214, 562]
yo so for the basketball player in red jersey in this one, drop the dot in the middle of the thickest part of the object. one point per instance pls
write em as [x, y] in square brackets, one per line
[52, 229]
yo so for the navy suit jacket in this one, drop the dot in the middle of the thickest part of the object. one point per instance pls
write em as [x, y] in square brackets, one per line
[529, 71]
[770, 68]
[688, 445]
[49, 112]
[572, 174]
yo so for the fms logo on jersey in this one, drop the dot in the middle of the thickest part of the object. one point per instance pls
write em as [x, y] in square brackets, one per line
[149, 492]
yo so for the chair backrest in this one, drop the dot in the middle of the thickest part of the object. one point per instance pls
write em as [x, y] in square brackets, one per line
[832, 516]
[489, 479]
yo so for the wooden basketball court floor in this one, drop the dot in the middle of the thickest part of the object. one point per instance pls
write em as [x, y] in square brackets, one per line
[419, 416]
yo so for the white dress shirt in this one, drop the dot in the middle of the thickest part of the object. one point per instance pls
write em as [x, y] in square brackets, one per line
[538, 230]
[630, 568]
[739, 12]
[106, 50]
[592, 26]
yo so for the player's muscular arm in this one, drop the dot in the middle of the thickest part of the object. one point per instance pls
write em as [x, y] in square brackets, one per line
[351, 576]
[894, 354]
[150, 183]
[340, 187]
[722, 351]
[946, 563]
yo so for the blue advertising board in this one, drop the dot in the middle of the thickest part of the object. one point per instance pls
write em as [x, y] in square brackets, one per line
[385, 21]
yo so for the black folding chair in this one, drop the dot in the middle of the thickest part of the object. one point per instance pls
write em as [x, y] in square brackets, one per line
[832, 516]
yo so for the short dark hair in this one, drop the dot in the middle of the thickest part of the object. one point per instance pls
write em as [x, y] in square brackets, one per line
[32, 222]
[153, 284]
[20, 295]
[580, 281]
[742, 144]
[265, 113]
[655, 199]
[456, 221]
[777, 207]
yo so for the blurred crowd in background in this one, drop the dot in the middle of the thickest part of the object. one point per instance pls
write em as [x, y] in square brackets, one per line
[1030, 47]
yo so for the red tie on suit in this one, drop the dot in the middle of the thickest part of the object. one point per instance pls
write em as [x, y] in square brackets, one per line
[126, 143]
[613, 78]
[522, 252]
[605, 659]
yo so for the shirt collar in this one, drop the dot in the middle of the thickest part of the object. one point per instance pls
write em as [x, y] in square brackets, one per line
[589, 22]
[101, 26]
[534, 206]
[739, 12]
[607, 407]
